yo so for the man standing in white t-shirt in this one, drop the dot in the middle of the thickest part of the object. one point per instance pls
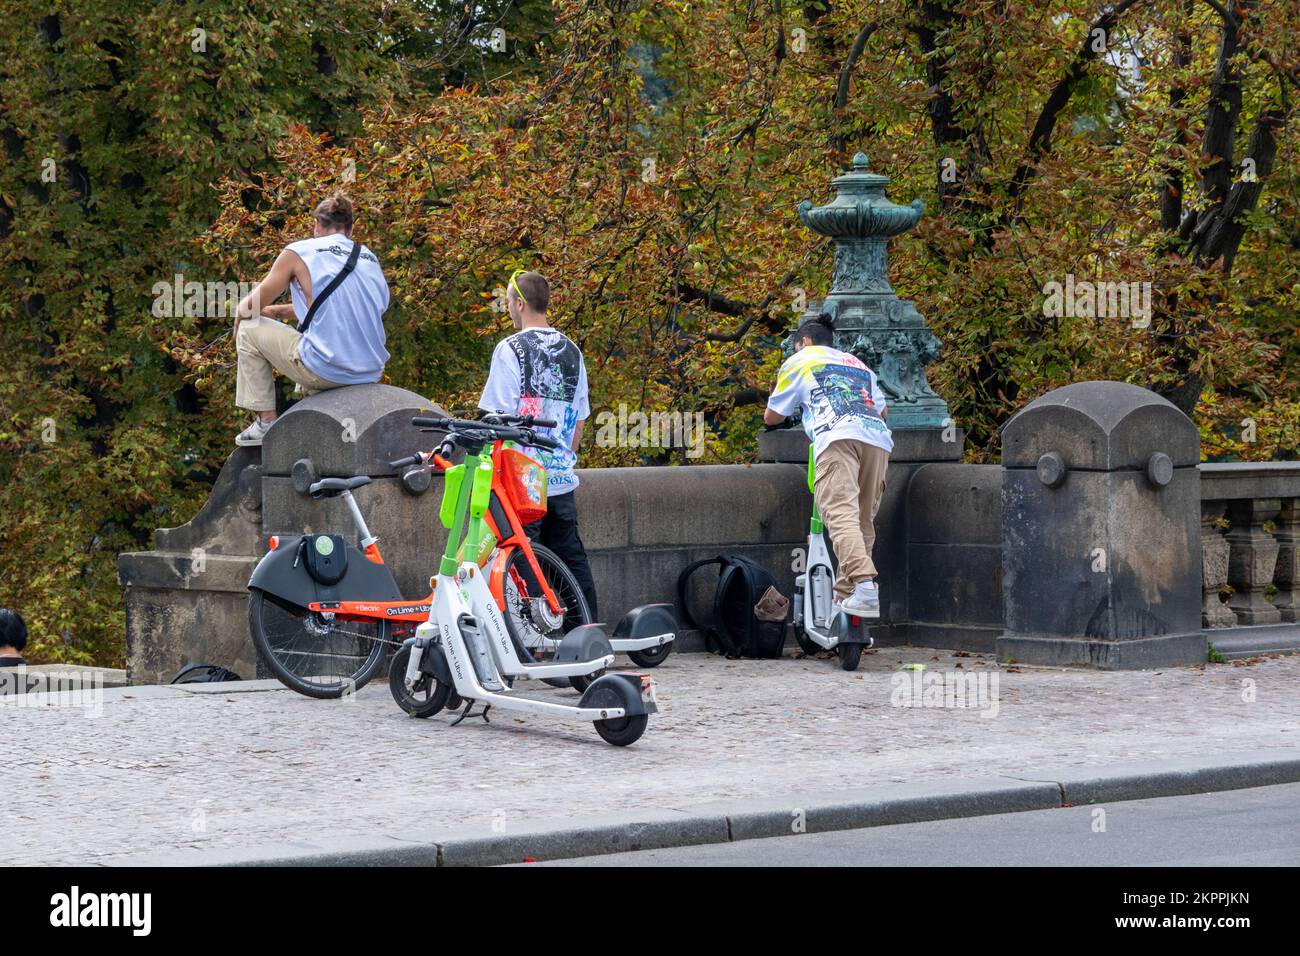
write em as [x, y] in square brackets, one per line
[844, 415]
[345, 342]
[539, 371]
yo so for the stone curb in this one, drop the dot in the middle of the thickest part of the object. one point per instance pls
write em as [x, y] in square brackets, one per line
[725, 821]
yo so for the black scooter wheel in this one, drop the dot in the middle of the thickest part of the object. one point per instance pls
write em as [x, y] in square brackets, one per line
[429, 696]
[807, 644]
[850, 655]
[619, 731]
[652, 656]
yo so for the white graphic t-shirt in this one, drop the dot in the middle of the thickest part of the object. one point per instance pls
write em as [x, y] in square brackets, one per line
[540, 372]
[841, 397]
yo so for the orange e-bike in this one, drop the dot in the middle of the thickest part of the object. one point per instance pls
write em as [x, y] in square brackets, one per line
[324, 614]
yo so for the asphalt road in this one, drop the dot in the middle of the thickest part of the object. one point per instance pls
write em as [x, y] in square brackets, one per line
[1255, 827]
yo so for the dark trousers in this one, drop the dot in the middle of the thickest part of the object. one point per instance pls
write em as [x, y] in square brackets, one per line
[558, 530]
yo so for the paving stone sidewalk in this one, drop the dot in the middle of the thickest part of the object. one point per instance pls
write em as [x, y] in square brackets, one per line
[162, 769]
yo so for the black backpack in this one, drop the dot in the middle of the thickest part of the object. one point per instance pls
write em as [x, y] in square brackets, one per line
[203, 674]
[734, 629]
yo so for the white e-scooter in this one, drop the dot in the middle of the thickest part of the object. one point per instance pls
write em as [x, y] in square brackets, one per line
[465, 648]
[818, 624]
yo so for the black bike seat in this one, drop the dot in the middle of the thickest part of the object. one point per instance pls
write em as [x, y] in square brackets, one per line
[332, 486]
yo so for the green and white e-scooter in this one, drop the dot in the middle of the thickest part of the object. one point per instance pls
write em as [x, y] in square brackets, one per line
[465, 648]
[819, 625]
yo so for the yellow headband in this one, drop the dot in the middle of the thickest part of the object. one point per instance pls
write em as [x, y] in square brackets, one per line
[514, 285]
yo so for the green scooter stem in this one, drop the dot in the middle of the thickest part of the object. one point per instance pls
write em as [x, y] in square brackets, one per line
[449, 564]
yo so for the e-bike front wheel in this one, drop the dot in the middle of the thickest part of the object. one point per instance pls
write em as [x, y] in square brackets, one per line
[312, 653]
[529, 618]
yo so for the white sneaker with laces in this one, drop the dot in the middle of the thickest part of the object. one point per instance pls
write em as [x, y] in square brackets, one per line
[864, 601]
[254, 433]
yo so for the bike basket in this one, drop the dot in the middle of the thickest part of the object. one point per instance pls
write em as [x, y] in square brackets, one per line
[523, 482]
[452, 478]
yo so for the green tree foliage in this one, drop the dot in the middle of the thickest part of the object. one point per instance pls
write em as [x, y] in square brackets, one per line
[648, 158]
[117, 120]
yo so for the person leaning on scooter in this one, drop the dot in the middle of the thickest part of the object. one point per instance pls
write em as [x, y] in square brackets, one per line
[844, 415]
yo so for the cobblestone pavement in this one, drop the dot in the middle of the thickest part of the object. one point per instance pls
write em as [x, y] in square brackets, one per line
[166, 769]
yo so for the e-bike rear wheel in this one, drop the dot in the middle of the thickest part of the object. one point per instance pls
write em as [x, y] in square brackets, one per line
[428, 696]
[312, 653]
[529, 618]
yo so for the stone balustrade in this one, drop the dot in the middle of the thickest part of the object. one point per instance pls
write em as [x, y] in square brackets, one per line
[1250, 543]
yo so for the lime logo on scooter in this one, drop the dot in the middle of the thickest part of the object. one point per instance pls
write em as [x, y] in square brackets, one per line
[324, 545]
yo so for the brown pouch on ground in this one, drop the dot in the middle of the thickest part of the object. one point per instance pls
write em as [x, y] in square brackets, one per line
[772, 606]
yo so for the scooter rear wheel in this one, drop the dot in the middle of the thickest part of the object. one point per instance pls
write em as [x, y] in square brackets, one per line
[619, 731]
[850, 655]
[429, 696]
[651, 657]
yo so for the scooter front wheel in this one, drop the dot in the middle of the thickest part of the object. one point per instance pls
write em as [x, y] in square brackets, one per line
[806, 643]
[427, 697]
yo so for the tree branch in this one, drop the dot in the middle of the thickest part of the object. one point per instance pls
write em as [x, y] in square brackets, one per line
[1040, 140]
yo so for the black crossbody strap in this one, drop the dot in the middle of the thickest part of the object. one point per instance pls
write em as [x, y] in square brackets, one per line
[317, 302]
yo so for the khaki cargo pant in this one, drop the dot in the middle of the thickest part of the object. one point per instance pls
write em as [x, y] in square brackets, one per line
[265, 346]
[848, 481]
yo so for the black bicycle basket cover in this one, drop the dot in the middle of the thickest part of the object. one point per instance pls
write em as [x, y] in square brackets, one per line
[326, 556]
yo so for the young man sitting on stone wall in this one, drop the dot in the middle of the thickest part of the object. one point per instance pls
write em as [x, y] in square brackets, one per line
[344, 343]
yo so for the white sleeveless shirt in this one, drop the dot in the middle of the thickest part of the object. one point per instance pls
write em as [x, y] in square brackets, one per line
[345, 343]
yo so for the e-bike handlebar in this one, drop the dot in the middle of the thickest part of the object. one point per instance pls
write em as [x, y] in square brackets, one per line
[487, 421]
[490, 430]
[527, 421]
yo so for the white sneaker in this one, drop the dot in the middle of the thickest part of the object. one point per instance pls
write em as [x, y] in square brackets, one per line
[864, 601]
[254, 433]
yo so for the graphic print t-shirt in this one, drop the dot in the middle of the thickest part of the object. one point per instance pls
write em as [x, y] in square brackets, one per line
[540, 372]
[841, 397]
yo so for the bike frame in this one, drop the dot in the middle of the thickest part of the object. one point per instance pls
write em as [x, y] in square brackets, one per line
[502, 520]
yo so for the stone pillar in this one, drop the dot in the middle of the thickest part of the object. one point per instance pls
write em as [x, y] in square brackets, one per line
[1214, 567]
[1252, 559]
[1287, 575]
[1101, 520]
